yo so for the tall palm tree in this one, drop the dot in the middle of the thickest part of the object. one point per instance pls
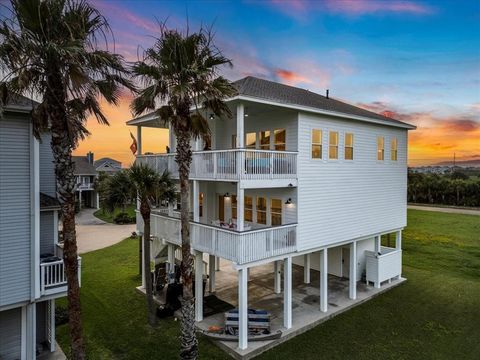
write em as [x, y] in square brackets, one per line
[53, 50]
[149, 186]
[181, 72]
[117, 191]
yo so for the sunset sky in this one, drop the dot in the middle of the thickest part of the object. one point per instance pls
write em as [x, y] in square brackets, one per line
[417, 61]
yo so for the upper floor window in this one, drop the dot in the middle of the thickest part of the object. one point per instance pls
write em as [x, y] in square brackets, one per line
[200, 204]
[316, 144]
[251, 140]
[276, 212]
[348, 146]
[393, 149]
[261, 210]
[333, 145]
[380, 148]
[280, 139]
[248, 208]
[265, 140]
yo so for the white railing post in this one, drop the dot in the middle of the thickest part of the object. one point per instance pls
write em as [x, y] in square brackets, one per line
[79, 271]
[42, 279]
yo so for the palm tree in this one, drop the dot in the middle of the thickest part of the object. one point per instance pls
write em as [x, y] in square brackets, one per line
[117, 191]
[149, 186]
[50, 49]
[181, 72]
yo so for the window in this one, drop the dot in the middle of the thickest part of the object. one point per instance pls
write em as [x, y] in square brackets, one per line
[200, 205]
[333, 145]
[380, 147]
[251, 140]
[261, 210]
[393, 149]
[316, 144]
[265, 140]
[280, 138]
[234, 206]
[234, 141]
[348, 146]
[178, 202]
[276, 212]
[248, 209]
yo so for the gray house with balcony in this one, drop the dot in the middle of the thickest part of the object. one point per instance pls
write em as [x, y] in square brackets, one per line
[85, 175]
[31, 265]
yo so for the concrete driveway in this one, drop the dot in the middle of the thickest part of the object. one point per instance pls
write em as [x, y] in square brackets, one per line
[94, 234]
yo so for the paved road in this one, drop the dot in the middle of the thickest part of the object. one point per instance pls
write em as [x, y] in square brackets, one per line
[445, 209]
[94, 234]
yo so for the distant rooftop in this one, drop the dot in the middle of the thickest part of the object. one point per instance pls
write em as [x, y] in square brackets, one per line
[83, 166]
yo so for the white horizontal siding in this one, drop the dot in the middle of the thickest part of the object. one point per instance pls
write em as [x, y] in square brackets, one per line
[340, 199]
[47, 232]
[14, 210]
[11, 334]
[47, 167]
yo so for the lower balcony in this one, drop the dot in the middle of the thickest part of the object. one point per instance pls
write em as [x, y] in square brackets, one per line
[53, 279]
[237, 246]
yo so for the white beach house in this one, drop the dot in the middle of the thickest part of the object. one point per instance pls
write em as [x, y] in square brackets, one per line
[293, 179]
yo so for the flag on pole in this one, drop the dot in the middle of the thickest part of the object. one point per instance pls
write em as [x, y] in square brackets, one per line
[134, 145]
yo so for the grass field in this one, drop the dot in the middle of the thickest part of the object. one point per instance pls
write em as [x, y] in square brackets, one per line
[434, 315]
[108, 217]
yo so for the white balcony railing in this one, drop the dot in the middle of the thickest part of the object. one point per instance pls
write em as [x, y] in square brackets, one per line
[53, 278]
[237, 246]
[234, 164]
[86, 186]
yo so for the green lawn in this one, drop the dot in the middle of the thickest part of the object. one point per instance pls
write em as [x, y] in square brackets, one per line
[108, 217]
[434, 315]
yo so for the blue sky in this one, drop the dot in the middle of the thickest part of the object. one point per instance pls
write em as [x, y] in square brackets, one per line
[417, 60]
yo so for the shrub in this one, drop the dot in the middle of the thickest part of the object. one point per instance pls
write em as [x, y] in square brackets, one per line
[124, 218]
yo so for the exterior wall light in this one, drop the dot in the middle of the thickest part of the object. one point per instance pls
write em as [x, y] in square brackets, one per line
[289, 201]
[227, 195]
[212, 116]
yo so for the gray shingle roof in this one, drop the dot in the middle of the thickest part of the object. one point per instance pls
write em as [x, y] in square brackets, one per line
[20, 102]
[82, 166]
[284, 94]
[104, 160]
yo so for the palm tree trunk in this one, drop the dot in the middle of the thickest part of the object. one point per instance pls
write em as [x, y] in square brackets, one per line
[189, 344]
[152, 318]
[62, 146]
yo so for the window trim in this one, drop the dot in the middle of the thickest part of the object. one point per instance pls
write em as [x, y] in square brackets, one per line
[382, 149]
[274, 144]
[276, 212]
[262, 211]
[394, 140]
[337, 146]
[351, 147]
[316, 144]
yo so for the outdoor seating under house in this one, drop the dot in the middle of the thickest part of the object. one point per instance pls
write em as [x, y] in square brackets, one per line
[292, 184]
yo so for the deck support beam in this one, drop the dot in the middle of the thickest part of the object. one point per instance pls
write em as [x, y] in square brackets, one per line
[143, 261]
[398, 242]
[353, 271]
[240, 207]
[211, 273]
[198, 286]
[196, 201]
[171, 262]
[277, 277]
[240, 126]
[378, 244]
[324, 280]
[139, 140]
[306, 268]
[287, 293]
[242, 309]
[217, 263]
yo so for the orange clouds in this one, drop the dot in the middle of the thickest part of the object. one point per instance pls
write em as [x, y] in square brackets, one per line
[290, 77]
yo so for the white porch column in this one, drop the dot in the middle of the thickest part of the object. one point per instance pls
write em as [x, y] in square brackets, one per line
[31, 330]
[240, 126]
[306, 268]
[378, 243]
[217, 263]
[198, 286]
[353, 271]
[398, 243]
[143, 261]
[277, 276]
[196, 207]
[171, 261]
[324, 280]
[80, 199]
[139, 140]
[171, 139]
[53, 343]
[211, 273]
[242, 309]
[98, 201]
[240, 207]
[287, 293]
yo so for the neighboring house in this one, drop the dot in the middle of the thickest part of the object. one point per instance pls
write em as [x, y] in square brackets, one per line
[31, 265]
[293, 177]
[107, 165]
[86, 174]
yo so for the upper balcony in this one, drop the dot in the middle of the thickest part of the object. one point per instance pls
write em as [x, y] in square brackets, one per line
[232, 165]
[53, 279]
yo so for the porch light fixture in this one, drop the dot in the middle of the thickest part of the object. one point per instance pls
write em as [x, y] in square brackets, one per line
[227, 195]
[245, 114]
[212, 116]
[289, 201]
